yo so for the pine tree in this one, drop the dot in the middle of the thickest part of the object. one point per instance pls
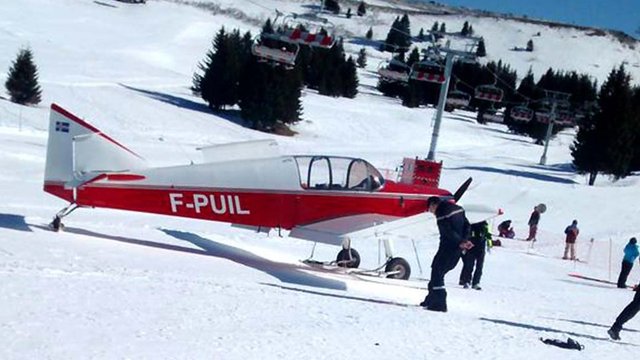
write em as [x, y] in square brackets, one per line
[443, 28]
[471, 32]
[369, 34]
[349, 79]
[465, 29]
[481, 51]
[605, 143]
[362, 58]
[393, 40]
[421, 34]
[435, 27]
[22, 82]
[414, 56]
[333, 6]
[404, 32]
[530, 45]
[362, 10]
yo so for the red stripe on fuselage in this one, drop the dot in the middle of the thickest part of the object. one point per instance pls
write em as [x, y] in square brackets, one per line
[248, 207]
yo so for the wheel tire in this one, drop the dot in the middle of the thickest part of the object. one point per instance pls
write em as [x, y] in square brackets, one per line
[401, 266]
[348, 258]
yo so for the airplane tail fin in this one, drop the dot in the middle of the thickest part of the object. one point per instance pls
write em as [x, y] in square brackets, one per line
[78, 152]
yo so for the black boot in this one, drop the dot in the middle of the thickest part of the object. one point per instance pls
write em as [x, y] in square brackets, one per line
[614, 333]
[437, 300]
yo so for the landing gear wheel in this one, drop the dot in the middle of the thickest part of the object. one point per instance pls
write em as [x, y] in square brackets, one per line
[400, 268]
[56, 224]
[348, 258]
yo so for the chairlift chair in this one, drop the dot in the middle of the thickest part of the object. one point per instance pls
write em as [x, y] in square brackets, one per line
[521, 113]
[458, 99]
[565, 117]
[270, 48]
[543, 115]
[394, 71]
[493, 116]
[490, 93]
[309, 30]
[427, 70]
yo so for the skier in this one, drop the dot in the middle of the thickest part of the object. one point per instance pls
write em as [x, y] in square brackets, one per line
[454, 233]
[505, 230]
[630, 254]
[627, 314]
[572, 232]
[481, 239]
[534, 219]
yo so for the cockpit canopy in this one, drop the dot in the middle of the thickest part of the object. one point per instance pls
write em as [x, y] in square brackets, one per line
[337, 173]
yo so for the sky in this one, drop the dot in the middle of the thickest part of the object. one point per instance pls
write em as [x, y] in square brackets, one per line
[610, 14]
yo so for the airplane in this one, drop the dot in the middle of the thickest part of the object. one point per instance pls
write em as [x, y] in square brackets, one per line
[319, 198]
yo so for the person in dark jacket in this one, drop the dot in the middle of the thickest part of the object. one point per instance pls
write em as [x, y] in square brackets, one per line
[481, 238]
[454, 233]
[630, 254]
[505, 230]
[572, 232]
[534, 219]
[627, 314]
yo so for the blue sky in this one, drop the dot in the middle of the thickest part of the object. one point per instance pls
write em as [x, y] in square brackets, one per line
[611, 14]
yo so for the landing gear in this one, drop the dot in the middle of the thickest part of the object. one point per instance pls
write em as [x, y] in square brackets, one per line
[348, 258]
[398, 268]
[56, 224]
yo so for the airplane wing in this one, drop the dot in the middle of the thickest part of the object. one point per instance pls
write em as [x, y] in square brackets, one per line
[334, 231]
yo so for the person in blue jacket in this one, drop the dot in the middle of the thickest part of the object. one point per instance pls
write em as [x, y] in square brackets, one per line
[630, 255]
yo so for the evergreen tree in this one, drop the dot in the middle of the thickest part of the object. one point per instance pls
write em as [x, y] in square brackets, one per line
[348, 13]
[349, 79]
[22, 82]
[405, 32]
[369, 34]
[393, 40]
[530, 45]
[471, 32]
[421, 35]
[362, 10]
[333, 6]
[414, 56]
[605, 143]
[443, 28]
[435, 27]
[218, 86]
[465, 29]
[362, 58]
[481, 51]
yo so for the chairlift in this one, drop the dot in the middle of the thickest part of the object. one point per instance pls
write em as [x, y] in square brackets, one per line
[271, 48]
[489, 92]
[521, 113]
[543, 115]
[394, 71]
[458, 99]
[493, 116]
[565, 117]
[427, 70]
[308, 29]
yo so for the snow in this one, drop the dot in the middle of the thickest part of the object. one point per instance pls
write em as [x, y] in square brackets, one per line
[117, 284]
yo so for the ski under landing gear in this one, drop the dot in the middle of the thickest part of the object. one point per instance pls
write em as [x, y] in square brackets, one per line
[56, 224]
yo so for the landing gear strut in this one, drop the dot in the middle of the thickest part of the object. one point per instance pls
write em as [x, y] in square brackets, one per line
[56, 224]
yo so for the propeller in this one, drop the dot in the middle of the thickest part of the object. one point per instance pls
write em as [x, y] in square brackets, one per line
[462, 189]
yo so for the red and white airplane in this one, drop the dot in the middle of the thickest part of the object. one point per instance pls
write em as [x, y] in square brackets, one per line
[319, 198]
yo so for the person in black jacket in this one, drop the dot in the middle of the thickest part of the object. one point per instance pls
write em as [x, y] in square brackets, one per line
[627, 314]
[454, 233]
[480, 237]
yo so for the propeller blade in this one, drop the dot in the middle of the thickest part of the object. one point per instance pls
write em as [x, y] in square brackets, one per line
[462, 189]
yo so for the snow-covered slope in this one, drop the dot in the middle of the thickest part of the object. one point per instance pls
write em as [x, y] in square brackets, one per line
[128, 285]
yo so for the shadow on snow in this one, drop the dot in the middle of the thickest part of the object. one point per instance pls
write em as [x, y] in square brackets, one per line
[14, 222]
[518, 173]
